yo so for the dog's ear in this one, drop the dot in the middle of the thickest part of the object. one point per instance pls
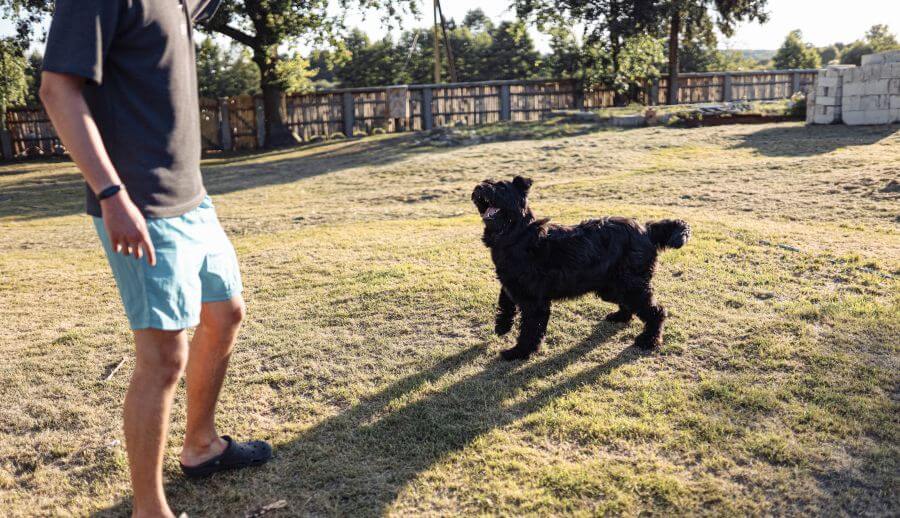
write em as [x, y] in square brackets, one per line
[523, 184]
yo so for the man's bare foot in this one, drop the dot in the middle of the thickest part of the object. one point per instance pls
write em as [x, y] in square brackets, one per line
[194, 455]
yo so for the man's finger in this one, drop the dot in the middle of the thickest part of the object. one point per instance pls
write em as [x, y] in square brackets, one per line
[151, 252]
[135, 249]
[117, 247]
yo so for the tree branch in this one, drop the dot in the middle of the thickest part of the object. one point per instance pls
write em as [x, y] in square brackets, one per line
[235, 34]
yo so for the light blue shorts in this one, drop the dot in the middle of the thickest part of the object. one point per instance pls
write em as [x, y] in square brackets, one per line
[195, 263]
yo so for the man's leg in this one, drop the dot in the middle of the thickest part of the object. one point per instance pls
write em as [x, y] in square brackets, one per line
[160, 360]
[208, 361]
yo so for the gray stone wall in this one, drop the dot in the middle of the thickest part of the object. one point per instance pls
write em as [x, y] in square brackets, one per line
[868, 94]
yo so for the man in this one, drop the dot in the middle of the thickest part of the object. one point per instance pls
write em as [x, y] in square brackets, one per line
[120, 86]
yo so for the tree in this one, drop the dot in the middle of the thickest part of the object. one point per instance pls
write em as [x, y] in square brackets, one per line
[691, 19]
[794, 53]
[607, 25]
[33, 72]
[225, 72]
[261, 26]
[881, 38]
[13, 78]
[512, 54]
[878, 39]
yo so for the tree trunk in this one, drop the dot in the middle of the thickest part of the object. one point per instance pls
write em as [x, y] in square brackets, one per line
[274, 100]
[674, 30]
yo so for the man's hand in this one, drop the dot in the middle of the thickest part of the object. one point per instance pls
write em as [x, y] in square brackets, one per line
[127, 228]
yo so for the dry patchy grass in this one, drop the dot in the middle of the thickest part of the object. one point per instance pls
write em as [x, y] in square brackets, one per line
[368, 357]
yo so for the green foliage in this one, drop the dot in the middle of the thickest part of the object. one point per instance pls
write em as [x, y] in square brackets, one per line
[225, 72]
[795, 53]
[13, 77]
[639, 61]
[698, 56]
[878, 38]
[294, 74]
[33, 73]
[829, 54]
[482, 51]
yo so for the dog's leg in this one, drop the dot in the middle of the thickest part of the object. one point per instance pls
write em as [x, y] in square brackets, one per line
[506, 312]
[534, 327]
[653, 316]
[622, 316]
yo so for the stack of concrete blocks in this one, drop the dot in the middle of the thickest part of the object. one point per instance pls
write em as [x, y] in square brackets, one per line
[868, 94]
[872, 91]
[824, 103]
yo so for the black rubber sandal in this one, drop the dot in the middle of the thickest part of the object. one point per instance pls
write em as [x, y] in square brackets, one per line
[235, 456]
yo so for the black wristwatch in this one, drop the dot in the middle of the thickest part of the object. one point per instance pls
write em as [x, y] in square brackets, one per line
[109, 192]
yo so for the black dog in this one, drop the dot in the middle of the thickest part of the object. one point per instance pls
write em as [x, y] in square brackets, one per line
[538, 262]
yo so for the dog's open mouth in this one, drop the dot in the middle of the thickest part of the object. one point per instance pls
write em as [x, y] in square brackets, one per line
[490, 212]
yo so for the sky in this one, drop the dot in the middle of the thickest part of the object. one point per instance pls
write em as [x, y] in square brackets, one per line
[823, 22]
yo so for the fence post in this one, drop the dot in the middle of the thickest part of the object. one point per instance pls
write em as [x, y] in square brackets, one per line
[795, 82]
[727, 92]
[505, 103]
[224, 124]
[427, 110]
[349, 114]
[654, 92]
[260, 107]
[6, 150]
[578, 95]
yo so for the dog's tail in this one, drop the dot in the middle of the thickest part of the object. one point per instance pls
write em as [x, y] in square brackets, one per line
[668, 233]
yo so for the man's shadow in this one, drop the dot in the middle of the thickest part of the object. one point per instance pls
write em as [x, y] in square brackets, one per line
[357, 462]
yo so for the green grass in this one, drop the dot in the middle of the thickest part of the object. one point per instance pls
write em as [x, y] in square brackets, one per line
[368, 358]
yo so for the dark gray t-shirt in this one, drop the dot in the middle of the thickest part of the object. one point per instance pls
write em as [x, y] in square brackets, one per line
[138, 58]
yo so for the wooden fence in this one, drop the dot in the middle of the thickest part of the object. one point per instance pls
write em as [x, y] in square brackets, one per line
[238, 123]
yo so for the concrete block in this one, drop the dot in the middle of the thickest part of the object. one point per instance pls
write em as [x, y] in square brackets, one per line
[890, 71]
[855, 88]
[828, 101]
[895, 115]
[877, 87]
[872, 102]
[850, 102]
[854, 118]
[891, 56]
[872, 59]
[823, 119]
[828, 81]
[877, 116]
[894, 102]
[893, 86]
[871, 72]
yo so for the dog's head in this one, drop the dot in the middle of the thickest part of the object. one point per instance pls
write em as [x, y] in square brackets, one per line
[503, 204]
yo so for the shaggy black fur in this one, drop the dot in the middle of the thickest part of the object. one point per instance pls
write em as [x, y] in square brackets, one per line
[538, 262]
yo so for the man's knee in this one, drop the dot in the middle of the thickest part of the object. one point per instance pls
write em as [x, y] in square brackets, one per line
[222, 317]
[162, 355]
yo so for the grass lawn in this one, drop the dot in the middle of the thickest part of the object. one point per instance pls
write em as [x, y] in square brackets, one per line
[368, 357]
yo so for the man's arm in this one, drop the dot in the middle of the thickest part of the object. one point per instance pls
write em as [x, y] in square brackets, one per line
[63, 100]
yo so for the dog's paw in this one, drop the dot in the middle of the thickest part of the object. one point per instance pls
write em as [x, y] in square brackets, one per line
[515, 354]
[502, 327]
[620, 316]
[648, 342]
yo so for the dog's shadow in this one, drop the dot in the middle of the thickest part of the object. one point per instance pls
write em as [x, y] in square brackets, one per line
[357, 462]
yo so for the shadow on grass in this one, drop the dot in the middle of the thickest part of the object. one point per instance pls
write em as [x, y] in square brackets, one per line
[53, 195]
[357, 462]
[803, 141]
